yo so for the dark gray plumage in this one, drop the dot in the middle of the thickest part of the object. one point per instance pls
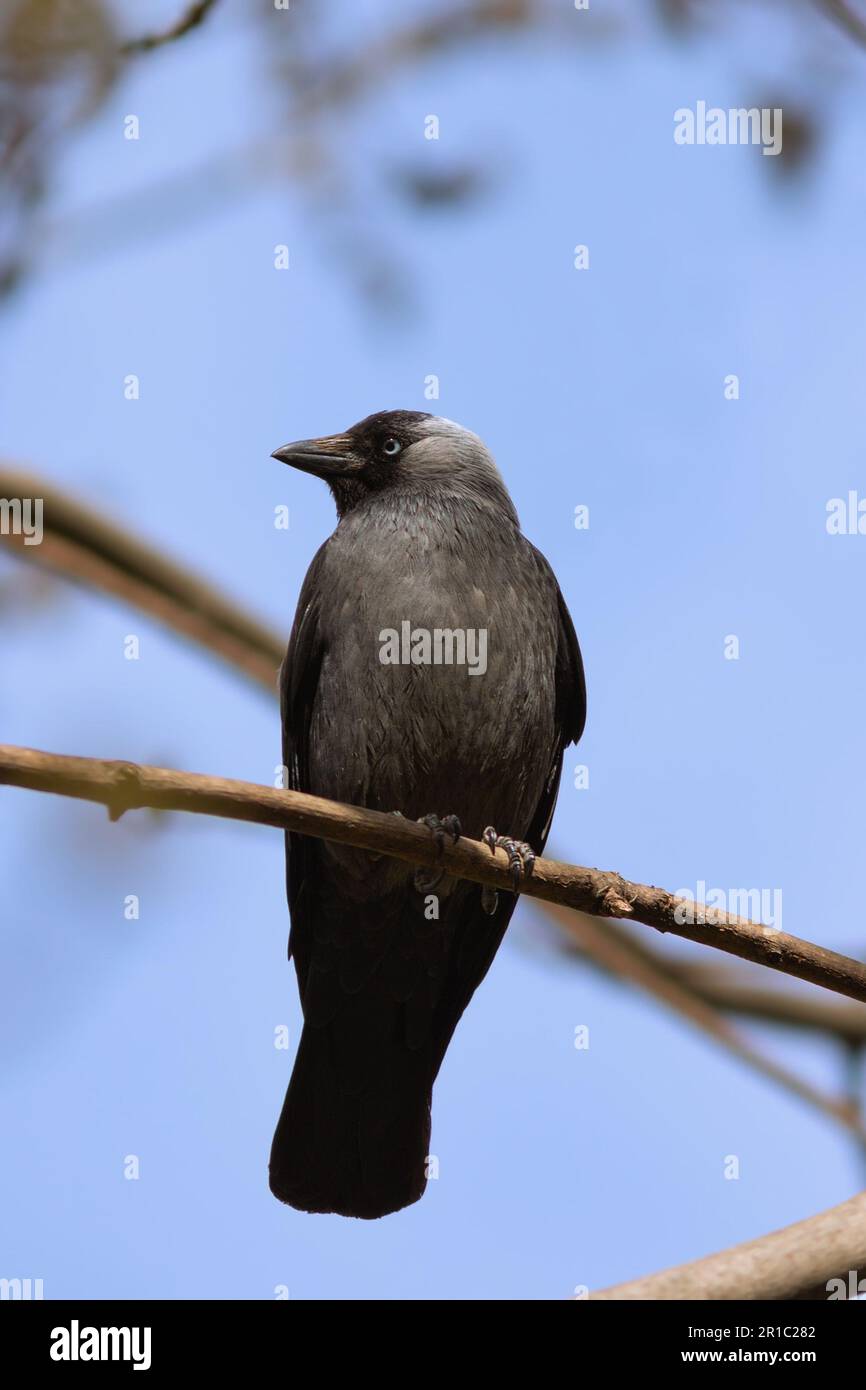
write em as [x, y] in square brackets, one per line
[427, 534]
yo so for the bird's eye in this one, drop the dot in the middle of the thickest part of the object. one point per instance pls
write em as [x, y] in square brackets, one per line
[391, 446]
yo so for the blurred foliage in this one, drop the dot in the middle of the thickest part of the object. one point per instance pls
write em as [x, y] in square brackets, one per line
[61, 59]
[58, 61]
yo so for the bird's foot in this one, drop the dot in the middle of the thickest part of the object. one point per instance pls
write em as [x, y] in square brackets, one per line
[521, 856]
[440, 829]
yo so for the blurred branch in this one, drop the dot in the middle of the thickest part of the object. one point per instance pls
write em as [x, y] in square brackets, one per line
[847, 1022]
[845, 18]
[89, 549]
[343, 79]
[126, 786]
[317, 82]
[614, 950]
[797, 1262]
[191, 19]
[319, 78]
[722, 989]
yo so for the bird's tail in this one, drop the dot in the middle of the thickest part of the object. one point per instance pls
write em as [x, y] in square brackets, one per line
[353, 1138]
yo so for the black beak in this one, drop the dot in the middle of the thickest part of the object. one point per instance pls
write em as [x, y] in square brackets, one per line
[333, 456]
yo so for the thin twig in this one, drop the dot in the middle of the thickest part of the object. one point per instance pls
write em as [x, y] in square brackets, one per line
[190, 19]
[125, 786]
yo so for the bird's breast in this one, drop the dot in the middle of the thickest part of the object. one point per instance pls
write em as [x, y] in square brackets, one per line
[436, 691]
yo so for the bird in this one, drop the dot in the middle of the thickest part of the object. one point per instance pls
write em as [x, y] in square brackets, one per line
[387, 958]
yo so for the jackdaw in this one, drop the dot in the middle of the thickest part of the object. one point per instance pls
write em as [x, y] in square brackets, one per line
[379, 709]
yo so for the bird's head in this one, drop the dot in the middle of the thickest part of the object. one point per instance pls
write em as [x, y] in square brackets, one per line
[405, 450]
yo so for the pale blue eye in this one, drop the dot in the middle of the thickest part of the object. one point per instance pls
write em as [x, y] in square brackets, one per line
[391, 446]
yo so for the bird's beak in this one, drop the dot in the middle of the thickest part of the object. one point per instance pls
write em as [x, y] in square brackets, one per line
[332, 456]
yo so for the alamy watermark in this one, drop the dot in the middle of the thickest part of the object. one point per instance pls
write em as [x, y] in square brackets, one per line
[22, 516]
[24, 1290]
[703, 906]
[77, 1343]
[850, 1288]
[846, 516]
[438, 646]
[739, 125]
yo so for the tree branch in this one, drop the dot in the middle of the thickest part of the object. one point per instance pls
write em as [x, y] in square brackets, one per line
[809, 1013]
[125, 786]
[845, 17]
[735, 993]
[190, 19]
[90, 549]
[797, 1262]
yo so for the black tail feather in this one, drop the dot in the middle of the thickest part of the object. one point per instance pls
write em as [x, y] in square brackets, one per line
[356, 1146]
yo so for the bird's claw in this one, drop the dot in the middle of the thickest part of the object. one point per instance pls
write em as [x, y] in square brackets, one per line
[521, 856]
[448, 825]
[440, 829]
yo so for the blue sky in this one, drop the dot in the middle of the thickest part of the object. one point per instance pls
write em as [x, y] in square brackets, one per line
[707, 518]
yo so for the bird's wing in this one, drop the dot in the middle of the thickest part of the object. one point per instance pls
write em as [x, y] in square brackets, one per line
[570, 682]
[478, 936]
[569, 710]
[299, 678]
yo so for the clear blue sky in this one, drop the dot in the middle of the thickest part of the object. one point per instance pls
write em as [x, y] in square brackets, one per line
[707, 518]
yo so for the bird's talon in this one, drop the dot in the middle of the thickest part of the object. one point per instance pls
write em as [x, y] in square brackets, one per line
[521, 856]
[439, 829]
